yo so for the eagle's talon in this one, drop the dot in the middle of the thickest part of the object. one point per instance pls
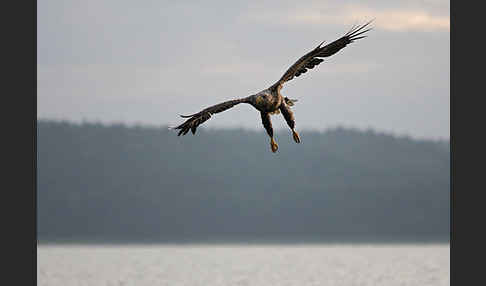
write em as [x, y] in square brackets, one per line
[273, 145]
[296, 136]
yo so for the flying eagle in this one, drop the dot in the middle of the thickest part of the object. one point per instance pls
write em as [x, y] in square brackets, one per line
[270, 101]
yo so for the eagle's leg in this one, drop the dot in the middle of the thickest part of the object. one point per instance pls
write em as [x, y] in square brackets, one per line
[268, 126]
[289, 117]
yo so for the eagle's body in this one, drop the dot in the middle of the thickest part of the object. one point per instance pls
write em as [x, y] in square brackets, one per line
[266, 100]
[270, 101]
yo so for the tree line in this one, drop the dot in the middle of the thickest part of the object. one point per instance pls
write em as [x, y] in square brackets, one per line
[114, 183]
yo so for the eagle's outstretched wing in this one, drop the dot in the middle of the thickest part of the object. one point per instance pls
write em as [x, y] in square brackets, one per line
[197, 119]
[313, 58]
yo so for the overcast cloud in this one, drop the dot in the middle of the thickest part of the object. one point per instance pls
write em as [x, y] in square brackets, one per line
[148, 61]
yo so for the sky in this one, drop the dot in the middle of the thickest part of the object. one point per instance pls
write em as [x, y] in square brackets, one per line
[145, 62]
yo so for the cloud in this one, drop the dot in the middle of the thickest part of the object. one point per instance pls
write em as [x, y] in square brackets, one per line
[392, 19]
[401, 20]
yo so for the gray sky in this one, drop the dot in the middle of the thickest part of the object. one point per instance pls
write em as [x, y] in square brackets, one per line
[145, 62]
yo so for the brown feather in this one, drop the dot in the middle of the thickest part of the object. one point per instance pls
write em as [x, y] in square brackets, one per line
[199, 118]
[313, 58]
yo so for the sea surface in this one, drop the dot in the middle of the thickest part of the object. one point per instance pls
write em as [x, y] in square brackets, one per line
[214, 265]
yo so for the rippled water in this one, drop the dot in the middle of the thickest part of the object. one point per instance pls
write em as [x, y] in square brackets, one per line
[243, 265]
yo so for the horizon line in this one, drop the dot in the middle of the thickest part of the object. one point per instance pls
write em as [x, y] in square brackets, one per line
[369, 129]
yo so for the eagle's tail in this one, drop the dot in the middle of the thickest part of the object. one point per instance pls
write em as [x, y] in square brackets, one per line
[290, 102]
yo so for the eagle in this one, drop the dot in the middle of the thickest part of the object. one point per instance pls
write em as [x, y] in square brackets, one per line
[270, 101]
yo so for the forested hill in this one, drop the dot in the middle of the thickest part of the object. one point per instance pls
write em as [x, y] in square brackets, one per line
[143, 184]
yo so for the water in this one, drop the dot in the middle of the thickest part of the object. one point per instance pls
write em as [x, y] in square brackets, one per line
[209, 265]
